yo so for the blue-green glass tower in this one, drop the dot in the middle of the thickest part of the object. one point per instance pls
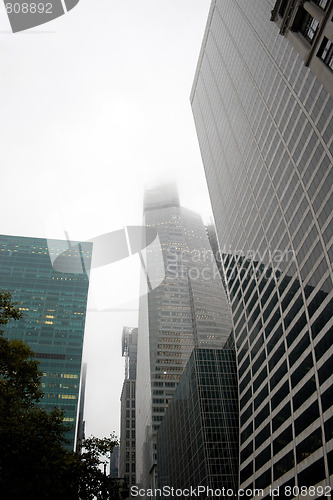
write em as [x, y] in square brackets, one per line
[53, 304]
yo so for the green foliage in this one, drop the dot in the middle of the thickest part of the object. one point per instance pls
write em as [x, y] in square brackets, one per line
[33, 460]
[19, 375]
[8, 308]
[93, 482]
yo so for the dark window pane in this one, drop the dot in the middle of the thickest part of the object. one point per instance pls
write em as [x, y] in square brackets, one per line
[264, 480]
[309, 445]
[302, 370]
[261, 416]
[281, 417]
[248, 450]
[277, 376]
[262, 436]
[329, 429]
[304, 393]
[300, 347]
[313, 474]
[282, 440]
[327, 398]
[280, 395]
[326, 370]
[306, 418]
[284, 465]
[246, 472]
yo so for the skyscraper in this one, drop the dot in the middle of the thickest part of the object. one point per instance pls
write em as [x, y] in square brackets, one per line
[308, 27]
[197, 441]
[265, 126]
[81, 424]
[54, 308]
[189, 309]
[127, 407]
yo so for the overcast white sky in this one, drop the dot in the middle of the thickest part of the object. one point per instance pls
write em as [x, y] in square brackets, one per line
[93, 105]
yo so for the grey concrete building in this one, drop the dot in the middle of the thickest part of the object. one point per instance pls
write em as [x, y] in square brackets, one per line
[309, 28]
[188, 309]
[127, 453]
[265, 126]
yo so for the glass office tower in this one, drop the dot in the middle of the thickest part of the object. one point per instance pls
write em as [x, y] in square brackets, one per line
[265, 127]
[53, 305]
[189, 309]
[197, 441]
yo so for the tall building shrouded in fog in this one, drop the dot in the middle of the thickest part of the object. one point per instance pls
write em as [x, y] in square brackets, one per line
[188, 309]
[53, 304]
[265, 126]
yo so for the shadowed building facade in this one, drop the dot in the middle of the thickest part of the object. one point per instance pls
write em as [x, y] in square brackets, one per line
[265, 126]
[197, 441]
[53, 305]
[188, 309]
[127, 407]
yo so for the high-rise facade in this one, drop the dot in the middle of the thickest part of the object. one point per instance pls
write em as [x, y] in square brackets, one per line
[308, 27]
[265, 127]
[114, 463]
[54, 308]
[197, 441]
[188, 309]
[81, 424]
[127, 452]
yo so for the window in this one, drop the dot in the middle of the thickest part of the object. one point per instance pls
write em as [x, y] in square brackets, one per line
[282, 7]
[264, 480]
[262, 436]
[326, 398]
[247, 432]
[281, 417]
[305, 24]
[325, 52]
[263, 457]
[302, 370]
[246, 472]
[282, 440]
[310, 29]
[313, 474]
[321, 3]
[329, 429]
[284, 465]
[261, 416]
[248, 450]
[304, 393]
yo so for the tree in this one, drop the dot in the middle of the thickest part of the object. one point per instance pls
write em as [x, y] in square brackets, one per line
[33, 459]
[31, 439]
[8, 308]
[93, 482]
